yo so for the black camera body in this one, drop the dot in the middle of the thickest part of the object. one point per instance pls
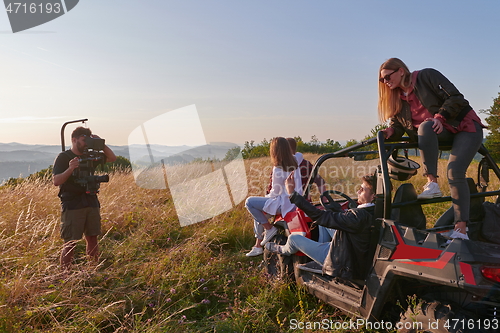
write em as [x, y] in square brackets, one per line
[89, 161]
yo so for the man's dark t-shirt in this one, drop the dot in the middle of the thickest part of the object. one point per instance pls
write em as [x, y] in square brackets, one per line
[72, 194]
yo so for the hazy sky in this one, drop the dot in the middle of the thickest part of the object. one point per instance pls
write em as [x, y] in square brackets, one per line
[254, 69]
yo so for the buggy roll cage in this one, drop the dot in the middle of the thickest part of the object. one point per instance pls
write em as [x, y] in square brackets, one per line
[385, 150]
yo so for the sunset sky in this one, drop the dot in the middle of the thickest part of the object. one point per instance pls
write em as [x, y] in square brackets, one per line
[254, 69]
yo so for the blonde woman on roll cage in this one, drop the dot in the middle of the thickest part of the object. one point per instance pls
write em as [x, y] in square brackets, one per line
[430, 109]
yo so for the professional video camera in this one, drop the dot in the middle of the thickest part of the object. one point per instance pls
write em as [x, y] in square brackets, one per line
[89, 161]
[92, 157]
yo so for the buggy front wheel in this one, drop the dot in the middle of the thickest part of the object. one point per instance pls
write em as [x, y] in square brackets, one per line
[278, 265]
[435, 317]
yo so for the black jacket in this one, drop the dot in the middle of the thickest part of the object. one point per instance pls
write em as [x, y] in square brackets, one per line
[348, 255]
[438, 95]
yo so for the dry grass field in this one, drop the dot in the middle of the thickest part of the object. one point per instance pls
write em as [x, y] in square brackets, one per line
[153, 275]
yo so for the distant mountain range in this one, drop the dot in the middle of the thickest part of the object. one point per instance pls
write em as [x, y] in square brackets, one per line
[144, 156]
[21, 160]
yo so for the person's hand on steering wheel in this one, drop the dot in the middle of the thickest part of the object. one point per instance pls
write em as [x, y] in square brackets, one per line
[328, 203]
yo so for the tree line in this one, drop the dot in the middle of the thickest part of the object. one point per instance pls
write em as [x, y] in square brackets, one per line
[314, 146]
[493, 138]
[252, 150]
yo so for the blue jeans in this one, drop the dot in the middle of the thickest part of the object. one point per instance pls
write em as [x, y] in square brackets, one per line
[255, 206]
[463, 150]
[325, 234]
[314, 250]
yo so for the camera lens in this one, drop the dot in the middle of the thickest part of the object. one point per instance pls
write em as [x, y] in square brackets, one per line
[102, 179]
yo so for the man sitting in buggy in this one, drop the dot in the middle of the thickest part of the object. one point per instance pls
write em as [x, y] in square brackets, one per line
[346, 255]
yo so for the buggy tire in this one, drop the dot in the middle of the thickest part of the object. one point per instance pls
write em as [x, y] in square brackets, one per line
[278, 265]
[432, 316]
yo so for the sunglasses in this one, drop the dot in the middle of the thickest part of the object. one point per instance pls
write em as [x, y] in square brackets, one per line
[387, 77]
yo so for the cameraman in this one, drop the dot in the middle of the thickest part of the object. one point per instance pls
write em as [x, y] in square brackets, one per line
[80, 210]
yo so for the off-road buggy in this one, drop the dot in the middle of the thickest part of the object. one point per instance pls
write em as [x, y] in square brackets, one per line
[419, 280]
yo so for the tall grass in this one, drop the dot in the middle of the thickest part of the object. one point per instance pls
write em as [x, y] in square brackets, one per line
[152, 276]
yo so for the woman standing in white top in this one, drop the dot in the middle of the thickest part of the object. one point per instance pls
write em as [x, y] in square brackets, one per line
[276, 201]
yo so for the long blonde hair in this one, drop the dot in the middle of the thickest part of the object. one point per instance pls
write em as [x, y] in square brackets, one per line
[281, 154]
[389, 101]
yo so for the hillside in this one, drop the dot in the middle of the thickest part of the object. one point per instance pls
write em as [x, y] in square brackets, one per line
[153, 275]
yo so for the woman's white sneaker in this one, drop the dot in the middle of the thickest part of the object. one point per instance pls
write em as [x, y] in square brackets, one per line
[256, 251]
[268, 235]
[457, 234]
[431, 190]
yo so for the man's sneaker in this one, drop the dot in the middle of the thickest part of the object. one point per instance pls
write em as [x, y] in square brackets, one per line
[311, 266]
[256, 251]
[268, 235]
[274, 248]
[431, 190]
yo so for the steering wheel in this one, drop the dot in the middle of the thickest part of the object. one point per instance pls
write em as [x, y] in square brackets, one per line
[332, 204]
